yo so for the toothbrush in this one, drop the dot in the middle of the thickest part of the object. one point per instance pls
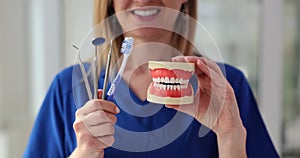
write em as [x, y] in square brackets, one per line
[126, 49]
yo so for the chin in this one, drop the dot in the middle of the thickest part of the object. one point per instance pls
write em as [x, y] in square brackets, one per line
[170, 83]
[148, 34]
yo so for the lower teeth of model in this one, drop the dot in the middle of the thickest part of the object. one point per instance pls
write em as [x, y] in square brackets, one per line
[170, 87]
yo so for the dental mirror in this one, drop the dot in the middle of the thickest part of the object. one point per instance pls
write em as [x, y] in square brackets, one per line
[96, 42]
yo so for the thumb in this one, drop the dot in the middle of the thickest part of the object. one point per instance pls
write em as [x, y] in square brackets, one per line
[100, 91]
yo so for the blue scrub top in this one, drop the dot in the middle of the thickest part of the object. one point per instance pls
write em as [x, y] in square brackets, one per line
[53, 134]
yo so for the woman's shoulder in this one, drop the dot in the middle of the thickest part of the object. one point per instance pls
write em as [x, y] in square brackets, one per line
[64, 79]
[234, 75]
[66, 73]
[230, 71]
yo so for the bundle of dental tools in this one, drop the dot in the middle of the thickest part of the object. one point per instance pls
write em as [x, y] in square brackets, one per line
[126, 49]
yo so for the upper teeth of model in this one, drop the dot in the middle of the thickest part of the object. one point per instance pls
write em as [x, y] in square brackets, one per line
[170, 80]
[148, 12]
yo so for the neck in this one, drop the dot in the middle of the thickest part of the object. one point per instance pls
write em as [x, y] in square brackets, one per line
[137, 74]
[150, 35]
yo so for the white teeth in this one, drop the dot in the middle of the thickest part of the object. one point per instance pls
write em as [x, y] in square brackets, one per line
[185, 81]
[146, 12]
[172, 80]
[168, 80]
[184, 86]
[170, 87]
[162, 83]
[181, 81]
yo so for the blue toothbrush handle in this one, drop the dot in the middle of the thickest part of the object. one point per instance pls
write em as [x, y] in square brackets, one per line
[111, 91]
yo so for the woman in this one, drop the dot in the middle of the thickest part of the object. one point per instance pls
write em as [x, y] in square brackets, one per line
[237, 129]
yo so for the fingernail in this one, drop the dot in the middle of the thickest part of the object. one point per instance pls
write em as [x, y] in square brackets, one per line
[167, 106]
[117, 110]
[199, 62]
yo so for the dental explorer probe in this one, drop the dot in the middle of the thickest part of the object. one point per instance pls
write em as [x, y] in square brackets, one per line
[107, 69]
[84, 75]
[96, 42]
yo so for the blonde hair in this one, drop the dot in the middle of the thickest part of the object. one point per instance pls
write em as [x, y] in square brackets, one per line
[104, 9]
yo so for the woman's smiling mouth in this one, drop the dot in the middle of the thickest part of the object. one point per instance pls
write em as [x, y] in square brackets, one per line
[146, 12]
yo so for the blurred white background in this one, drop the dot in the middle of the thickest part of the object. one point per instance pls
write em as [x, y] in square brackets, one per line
[261, 37]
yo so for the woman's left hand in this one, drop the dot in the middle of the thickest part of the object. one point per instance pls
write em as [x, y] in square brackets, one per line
[214, 104]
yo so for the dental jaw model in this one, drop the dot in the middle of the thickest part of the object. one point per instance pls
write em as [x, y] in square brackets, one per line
[170, 83]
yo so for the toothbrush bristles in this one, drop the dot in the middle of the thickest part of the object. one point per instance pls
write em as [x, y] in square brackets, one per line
[127, 45]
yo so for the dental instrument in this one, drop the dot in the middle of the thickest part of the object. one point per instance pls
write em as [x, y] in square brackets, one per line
[96, 42]
[84, 74]
[126, 49]
[107, 68]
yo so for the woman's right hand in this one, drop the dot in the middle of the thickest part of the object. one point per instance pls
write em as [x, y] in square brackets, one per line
[94, 127]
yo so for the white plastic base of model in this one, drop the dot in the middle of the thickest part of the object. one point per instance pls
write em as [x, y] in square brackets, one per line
[190, 67]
